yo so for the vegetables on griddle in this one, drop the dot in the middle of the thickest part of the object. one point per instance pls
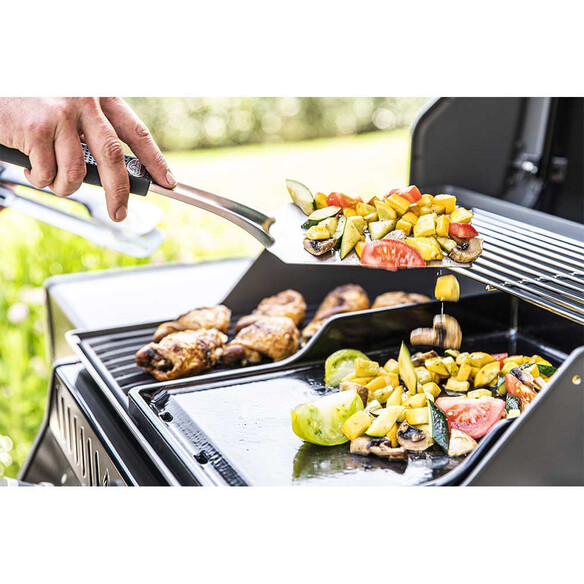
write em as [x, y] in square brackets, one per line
[407, 370]
[340, 364]
[320, 215]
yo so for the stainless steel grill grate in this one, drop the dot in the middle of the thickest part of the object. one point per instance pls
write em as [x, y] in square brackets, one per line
[539, 266]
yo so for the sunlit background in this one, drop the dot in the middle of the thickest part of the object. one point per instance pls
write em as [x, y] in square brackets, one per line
[242, 148]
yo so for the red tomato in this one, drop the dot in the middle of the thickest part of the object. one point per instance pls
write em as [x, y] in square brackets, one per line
[412, 194]
[474, 417]
[499, 357]
[462, 230]
[391, 192]
[341, 200]
[391, 255]
[525, 394]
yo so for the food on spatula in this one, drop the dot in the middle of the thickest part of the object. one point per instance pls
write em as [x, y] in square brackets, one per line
[433, 227]
[182, 353]
[346, 298]
[274, 337]
[286, 303]
[420, 402]
[216, 317]
[447, 289]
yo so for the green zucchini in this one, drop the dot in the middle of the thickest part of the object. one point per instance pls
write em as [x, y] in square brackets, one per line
[511, 403]
[501, 385]
[319, 215]
[546, 370]
[407, 371]
[301, 196]
[379, 229]
[438, 426]
[351, 236]
[338, 234]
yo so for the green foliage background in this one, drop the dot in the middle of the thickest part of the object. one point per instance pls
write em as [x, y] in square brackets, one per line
[364, 154]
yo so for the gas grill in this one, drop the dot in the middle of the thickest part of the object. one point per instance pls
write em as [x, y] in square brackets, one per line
[109, 423]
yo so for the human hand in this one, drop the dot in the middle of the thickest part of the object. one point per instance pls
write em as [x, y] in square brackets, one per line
[49, 130]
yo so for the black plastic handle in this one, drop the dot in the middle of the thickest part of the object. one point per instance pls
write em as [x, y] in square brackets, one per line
[140, 180]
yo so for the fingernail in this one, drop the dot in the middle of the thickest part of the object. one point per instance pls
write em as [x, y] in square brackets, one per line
[121, 213]
[170, 179]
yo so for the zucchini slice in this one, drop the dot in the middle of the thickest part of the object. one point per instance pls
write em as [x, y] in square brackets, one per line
[301, 196]
[407, 370]
[319, 215]
[351, 236]
[438, 426]
[379, 229]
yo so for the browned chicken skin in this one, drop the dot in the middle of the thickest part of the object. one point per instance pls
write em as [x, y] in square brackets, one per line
[346, 298]
[286, 303]
[275, 337]
[396, 298]
[182, 353]
[216, 317]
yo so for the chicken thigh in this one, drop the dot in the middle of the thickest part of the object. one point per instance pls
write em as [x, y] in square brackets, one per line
[216, 317]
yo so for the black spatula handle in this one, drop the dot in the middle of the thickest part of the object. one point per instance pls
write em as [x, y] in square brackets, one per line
[140, 180]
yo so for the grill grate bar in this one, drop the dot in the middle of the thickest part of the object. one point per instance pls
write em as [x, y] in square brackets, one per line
[531, 263]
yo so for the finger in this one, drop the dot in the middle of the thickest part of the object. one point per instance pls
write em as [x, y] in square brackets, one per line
[42, 160]
[70, 162]
[105, 147]
[132, 130]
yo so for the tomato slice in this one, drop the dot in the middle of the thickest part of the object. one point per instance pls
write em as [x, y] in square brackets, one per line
[462, 230]
[499, 357]
[391, 255]
[412, 194]
[525, 394]
[342, 200]
[474, 417]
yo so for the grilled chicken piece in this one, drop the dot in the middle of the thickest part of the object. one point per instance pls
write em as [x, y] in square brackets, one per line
[346, 298]
[182, 353]
[287, 303]
[275, 337]
[396, 298]
[216, 317]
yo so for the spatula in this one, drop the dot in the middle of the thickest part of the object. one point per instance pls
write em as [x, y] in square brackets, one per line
[280, 234]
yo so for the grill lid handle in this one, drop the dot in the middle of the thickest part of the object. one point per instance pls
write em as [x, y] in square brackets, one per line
[140, 180]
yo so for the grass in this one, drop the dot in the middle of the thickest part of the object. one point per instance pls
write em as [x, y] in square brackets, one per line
[32, 251]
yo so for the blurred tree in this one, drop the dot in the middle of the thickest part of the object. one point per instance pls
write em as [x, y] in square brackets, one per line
[186, 123]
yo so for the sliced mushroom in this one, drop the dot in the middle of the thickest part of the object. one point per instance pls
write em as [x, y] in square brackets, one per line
[379, 446]
[360, 389]
[320, 247]
[412, 438]
[539, 382]
[468, 251]
[460, 443]
[449, 331]
[419, 358]
[424, 336]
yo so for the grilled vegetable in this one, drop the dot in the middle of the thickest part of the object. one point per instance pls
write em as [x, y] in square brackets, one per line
[319, 215]
[426, 226]
[406, 369]
[467, 252]
[378, 446]
[384, 211]
[461, 215]
[384, 421]
[462, 231]
[366, 367]
[487, 374]
[412, 438]
[460, 443]
[447, 201]
[428, 247]
[340, 364]
[301, 196]
[342, 200]
[391, 255]
[474, 417]
[318, 232]
[321, 247]
[356, 425]
[320, 422]
[438, 426]
[447, 289]
[380, 228]
[360, 389]
[351, 235]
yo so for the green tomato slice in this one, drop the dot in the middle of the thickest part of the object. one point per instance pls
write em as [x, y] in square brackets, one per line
[340, 364]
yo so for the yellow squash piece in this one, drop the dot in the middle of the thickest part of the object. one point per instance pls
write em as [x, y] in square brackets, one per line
[331, 224]
[428, 247]
[349, 212]
[425, 226]
[442, 226]
[450, 364]
[447, 201]
[476, 393]
[405, 226]
[447, 289]
[410, 218]
[364, 209]
[435, 365]
[461, 215]
[385, 211]
[377, 383]
[395, 399]
[426, 201]
[455, 385]
[487, 373]
[384, 421]
[417, 401]
[359, 223]
[479, 359]
[381, 395]
[423, 375]
[431, 388]
[417, 416]
[366, 368]
[356, 425]
[320, 201]
[392, 436]
[379, 229]
[391, 366]
[359, 247]
[318, 232]
[398, 203]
